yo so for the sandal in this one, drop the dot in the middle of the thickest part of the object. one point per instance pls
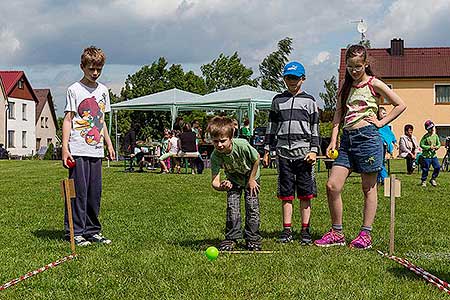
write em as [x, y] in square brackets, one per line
[226, 245]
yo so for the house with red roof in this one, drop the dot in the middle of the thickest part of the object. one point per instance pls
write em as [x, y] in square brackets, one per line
[421, 77]
[21, 113]
[46, 121]
[3, 106]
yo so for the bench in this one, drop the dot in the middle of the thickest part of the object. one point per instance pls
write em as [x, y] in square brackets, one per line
[185, 156]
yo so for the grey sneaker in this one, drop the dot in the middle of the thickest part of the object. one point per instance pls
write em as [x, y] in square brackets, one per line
[433, 182]
[81, 241]
[99, 238]
[286, 236]
[306, 236]
[424, 183]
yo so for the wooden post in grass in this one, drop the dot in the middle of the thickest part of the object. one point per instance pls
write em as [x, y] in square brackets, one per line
[68, 192]
[392, 189]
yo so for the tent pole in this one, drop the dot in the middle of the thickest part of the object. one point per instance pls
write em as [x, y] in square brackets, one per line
[251, 115]
[117, 140]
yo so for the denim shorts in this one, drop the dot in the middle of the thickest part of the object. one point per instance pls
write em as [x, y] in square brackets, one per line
[361, 150]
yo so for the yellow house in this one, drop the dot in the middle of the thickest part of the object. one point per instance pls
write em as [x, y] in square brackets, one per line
[421, 77]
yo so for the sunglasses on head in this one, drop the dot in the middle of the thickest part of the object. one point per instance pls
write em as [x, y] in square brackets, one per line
[292, 77]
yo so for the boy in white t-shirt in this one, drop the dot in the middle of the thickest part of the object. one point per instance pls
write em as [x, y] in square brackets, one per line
[84, 132]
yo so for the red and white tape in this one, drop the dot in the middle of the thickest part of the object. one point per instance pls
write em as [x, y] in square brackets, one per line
[442, 285]
[40, 270]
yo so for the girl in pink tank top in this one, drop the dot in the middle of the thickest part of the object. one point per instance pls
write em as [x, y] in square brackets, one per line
[360, 145]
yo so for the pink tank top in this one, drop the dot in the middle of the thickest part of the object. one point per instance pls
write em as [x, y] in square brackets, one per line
[362, 102]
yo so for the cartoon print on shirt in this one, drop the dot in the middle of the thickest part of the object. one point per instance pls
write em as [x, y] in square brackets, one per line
[91, 123]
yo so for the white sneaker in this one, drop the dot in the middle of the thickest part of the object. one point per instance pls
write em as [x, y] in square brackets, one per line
[433, 182]
[424, 183]
[99, 238]
[81, 241]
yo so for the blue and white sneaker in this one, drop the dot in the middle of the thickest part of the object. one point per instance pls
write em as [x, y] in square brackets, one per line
[99, 238]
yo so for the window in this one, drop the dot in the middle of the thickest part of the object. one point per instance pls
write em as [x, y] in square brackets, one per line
[442, 93]
[443, 131]
[42, 122]
[24, 139]
[20, 84]
[24, 112]
[49, 141]
[38, 143]
[11, 114]
[46, 122]
[11, 139]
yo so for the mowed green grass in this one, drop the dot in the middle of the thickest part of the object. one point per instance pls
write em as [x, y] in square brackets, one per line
[161, 224]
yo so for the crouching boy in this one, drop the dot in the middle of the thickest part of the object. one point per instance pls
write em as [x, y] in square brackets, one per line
[240, 161]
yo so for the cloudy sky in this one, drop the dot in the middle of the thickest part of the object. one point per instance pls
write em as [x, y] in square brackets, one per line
[45, 37]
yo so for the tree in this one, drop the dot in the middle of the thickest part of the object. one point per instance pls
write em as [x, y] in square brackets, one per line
[226, 72]
[271, 68]
[365, 43]
[149, 80]
[330, 95]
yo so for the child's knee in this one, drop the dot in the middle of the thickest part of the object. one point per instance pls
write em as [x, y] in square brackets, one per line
[333, 187]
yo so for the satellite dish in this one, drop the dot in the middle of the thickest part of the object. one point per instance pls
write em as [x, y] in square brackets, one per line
[362, 27]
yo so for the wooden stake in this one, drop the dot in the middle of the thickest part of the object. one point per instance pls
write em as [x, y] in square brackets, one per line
[392, 223]
[68, 191]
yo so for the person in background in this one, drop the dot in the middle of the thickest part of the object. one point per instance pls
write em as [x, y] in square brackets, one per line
[3, 152]
[188, 145]
[164, 146]
[389, 143]
[245, 130]
[171, 151]
[409, 148]
[430, 143]
[236, 128]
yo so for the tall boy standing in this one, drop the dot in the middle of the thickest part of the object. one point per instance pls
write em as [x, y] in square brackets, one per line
[240, 162]
[84, 132]
[294, 130]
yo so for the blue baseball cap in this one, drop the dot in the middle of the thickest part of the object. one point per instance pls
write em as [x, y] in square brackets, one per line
[294, 68]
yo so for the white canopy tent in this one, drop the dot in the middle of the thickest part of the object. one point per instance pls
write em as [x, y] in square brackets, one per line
[240, 99]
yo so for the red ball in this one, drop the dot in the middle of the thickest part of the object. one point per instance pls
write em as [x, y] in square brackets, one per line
[70, 163]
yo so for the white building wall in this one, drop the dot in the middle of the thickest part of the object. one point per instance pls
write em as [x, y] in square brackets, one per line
[46, 130]
[18, 124]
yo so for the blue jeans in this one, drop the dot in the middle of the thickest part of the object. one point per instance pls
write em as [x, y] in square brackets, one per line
[426, 167]
[361, 150]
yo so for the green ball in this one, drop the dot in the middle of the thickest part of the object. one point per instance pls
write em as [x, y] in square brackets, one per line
[212, 253]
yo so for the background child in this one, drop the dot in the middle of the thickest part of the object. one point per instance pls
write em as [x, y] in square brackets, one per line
[389, 142]
[172, 150]
[361, 148]
[409, 148]
[240, 162]
[430, 143]
[294, 130]
[83, 133]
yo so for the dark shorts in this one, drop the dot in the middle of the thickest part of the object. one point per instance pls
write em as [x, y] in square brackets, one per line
[296, 174]
[361, 150]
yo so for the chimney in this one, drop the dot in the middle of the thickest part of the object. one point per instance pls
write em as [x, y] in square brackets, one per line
[397, 47]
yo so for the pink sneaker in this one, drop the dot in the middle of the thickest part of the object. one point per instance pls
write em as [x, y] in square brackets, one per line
[331, 238]
[363, 241]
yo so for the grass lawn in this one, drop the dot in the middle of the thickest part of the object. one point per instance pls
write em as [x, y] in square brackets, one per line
[161, 224]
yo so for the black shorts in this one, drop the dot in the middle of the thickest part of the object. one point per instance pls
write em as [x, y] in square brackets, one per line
[294, 174]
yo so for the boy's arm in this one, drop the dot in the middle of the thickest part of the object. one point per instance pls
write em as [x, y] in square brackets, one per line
[423, 144]
[314, 127]
[220, 185]
[112, 153]
[271, 131]
[252, 183]
[66, 128]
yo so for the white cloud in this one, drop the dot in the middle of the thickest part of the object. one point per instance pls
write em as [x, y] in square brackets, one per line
[412, 20]
[9, 43]
[323, 56]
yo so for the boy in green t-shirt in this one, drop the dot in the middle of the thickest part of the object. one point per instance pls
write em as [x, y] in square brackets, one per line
[430, 143]
[240, 162]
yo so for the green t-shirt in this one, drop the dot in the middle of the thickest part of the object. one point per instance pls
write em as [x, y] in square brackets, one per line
[237, 164]
[427, 141]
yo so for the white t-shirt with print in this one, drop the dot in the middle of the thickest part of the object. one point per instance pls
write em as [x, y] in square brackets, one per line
[174, 144]
[89, 106]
